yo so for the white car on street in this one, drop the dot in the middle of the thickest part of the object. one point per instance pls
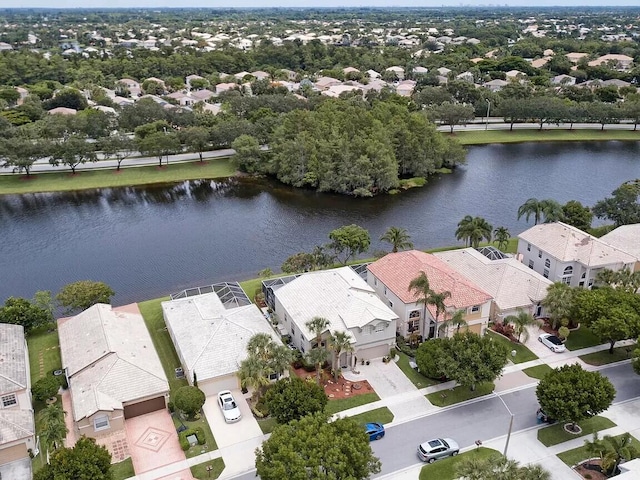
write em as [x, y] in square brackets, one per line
[552, 342]
[229, 407]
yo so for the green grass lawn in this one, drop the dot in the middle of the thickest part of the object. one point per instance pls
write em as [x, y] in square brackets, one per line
[152, 312]
[210, 443]
[419, 380]
[459, 394]
[555, 434]
[380, 415]
[445, 469]
[523, 354]
[604, 357]
[64, 181]
[200, 471]
[122, 470]
[581, 338]
[535, 135]
[267, 424]
[538, 371]
[338, 405]
[43, 343]
[578, 455]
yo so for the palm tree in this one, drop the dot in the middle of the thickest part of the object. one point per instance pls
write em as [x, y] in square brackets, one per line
[254, 375]
[457, 321]
[421, 288]
[558, 303]
[280, 358]
[552, 211]
[53, 430]
[497, 467]
[531, 207]
[398, 237]
[615, 450]
[473, 230]
[317, 325]
[339, 342]
[317, 356]
[501, 236]
[437, 300]
[520, 323]
[260, 346]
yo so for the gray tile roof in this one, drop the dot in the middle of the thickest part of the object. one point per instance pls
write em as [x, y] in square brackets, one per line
[211, 339]
[110, 359]
[508, 281]
[569, 244]
[15, 424]
[625, 238]
[13, 358]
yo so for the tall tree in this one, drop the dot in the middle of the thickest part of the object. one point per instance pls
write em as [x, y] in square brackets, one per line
[72, 151]
[559, 302]
[531, 207]
[339, 342]
[349, 241]
[159, 144]
[318, 354]
[83, 294]
[455, 321]
[473, 230]
[85, 461]
[196, 139]
[293, 398]
[577, 215]
[421, 288]
[313, 449]
[118, 146]
[623, 207]
[501, 236]
[20, 311]
[53, 428]
[497, 467]
[398, 238]
[570, 393]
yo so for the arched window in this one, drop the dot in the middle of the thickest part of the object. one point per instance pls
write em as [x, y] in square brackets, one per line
[547, 263]
[414, 314]
[568, 270]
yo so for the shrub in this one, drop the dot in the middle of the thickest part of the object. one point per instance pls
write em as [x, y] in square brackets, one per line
[46, 387]
[427, 356]
[171, 407]
[292, 398]
[392, 353]
[184, 443]
[197, 431]
[202, 439]
[189, 400]
[262, 406]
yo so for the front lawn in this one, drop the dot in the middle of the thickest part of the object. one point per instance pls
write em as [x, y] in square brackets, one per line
[539, 371]
[341, 404]
[555, 434]
[445, 469]
[44, 352]
[201, 473]
[444, 398]
[380, 415]
[267, 424]
[122, 470]
[210, 443]
[151, 311]
[580, 454]
[582, 338]
[604, 357]
[523, 354]
[419, 380]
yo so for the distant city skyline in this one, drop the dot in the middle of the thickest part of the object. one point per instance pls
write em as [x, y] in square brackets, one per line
[309, 3]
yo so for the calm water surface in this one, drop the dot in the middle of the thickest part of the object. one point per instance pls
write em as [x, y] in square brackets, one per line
[147, 242]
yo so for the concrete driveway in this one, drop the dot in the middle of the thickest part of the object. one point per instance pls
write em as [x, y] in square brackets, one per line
[227, 434]
[153, 442]
[553, 359]
[18, 470]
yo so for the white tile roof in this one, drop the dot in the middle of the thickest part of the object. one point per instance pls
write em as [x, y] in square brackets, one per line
[13, 363]
[339, 295]
[625, 238]
[15, 424]
[508, 281]
[110, 359]
[569, 244]
[211, 339]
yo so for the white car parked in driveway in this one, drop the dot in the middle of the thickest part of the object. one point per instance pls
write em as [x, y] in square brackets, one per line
[552, 342]
[229, 407]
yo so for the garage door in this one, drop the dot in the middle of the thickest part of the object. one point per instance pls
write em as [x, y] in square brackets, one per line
[141, 408]
[212, 387]
[373, 352]
[14, 453]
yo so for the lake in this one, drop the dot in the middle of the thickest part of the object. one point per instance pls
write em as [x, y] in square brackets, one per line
[151, 241]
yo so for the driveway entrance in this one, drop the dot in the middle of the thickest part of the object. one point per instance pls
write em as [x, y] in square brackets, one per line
[227, 434]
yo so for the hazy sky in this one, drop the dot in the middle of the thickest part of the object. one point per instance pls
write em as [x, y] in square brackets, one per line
[301, 3]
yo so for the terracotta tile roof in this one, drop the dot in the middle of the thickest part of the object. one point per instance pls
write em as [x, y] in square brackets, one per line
[396, 270]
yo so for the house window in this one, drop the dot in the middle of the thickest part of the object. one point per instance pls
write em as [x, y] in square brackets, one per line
[566, 280]
[273, 376]
[568, 270]
[380, 327]
[547, 263]
[530, 263]
[539, 253]
[545, 273]
[390, 303]
[385, 290]
[528, 247]
[375, 281]
[293, 329]
[413, 326]
[101, 423]
[9, 400]
[475, 309]
[414, 314]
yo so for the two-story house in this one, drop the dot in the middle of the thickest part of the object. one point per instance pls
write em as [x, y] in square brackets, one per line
[563, 253]
[350, 305]
[17, 426]
[391, 275]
